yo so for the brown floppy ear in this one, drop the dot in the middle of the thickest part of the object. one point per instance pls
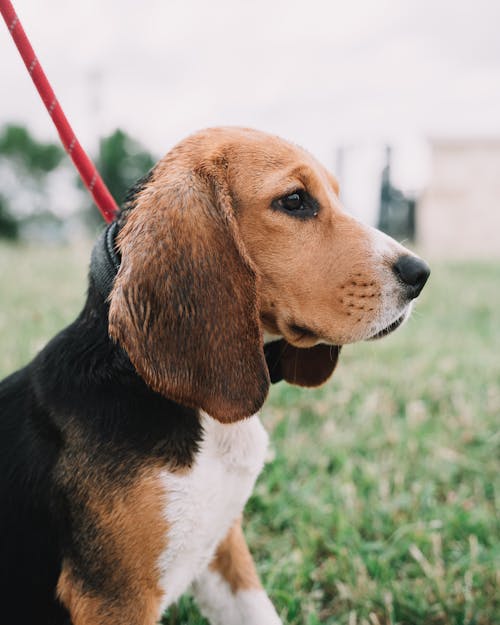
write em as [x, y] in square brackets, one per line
[184, 302]
[310, 366]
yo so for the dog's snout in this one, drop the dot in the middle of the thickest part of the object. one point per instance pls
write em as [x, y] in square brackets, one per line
[413, 273]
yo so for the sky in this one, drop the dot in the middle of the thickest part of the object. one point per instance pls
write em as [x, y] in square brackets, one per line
[321, 73]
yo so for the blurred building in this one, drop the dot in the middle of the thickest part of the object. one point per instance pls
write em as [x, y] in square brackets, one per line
[458, 216]
[396, 210]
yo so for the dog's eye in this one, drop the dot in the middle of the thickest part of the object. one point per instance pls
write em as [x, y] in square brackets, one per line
[292, 202]
[297, 204]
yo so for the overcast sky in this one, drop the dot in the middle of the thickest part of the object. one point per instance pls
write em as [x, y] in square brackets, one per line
[322, 73]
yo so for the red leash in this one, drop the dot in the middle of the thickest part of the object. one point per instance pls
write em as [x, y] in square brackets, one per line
[88, 173]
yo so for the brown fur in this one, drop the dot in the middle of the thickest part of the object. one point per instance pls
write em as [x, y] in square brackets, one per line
[184, 303]
[305, 266]
[234, 562]
[123, 535]
[207, 264]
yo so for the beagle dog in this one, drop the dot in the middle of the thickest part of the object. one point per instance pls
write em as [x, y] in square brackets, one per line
[131, 443]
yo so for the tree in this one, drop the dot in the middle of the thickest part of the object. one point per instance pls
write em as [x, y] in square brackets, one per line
[35, 157]
[9, 227]
[121, 162]
[24, 166]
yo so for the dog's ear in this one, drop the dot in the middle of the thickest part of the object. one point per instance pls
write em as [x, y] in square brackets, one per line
[310, 366]
[184, 302]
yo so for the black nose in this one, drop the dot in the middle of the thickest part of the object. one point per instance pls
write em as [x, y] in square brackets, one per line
[413, 273]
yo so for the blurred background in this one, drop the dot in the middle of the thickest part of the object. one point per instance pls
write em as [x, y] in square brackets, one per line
[382, 503]
[400, 99]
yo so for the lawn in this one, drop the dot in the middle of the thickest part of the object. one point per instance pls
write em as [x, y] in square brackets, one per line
[381, 500]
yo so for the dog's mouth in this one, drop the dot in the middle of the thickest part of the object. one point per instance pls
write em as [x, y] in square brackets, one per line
[390, 328]
[301, 336]
[304, 337]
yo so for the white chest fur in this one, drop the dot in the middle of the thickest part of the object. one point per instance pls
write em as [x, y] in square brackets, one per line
[202, 504]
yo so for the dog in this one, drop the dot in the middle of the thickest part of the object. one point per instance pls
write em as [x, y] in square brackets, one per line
[131, 443]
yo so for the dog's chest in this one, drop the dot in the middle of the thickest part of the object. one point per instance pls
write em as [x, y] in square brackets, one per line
[202, 504]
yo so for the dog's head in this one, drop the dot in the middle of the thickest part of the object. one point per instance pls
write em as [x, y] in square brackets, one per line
[236, 234]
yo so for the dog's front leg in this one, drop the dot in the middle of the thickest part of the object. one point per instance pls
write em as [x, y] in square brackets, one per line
[128, 605]
[229, 592]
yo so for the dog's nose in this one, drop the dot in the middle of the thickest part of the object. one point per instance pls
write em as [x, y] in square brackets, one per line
[413, 273]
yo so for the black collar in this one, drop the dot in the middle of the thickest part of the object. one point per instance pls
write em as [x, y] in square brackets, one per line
[105, 260]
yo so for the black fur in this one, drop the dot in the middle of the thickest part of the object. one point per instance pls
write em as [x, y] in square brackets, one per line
[79, 398]
[81, 382]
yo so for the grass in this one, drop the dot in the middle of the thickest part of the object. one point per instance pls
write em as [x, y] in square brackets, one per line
[381, 504]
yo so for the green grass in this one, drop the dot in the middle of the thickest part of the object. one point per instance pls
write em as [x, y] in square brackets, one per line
[381, 504]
